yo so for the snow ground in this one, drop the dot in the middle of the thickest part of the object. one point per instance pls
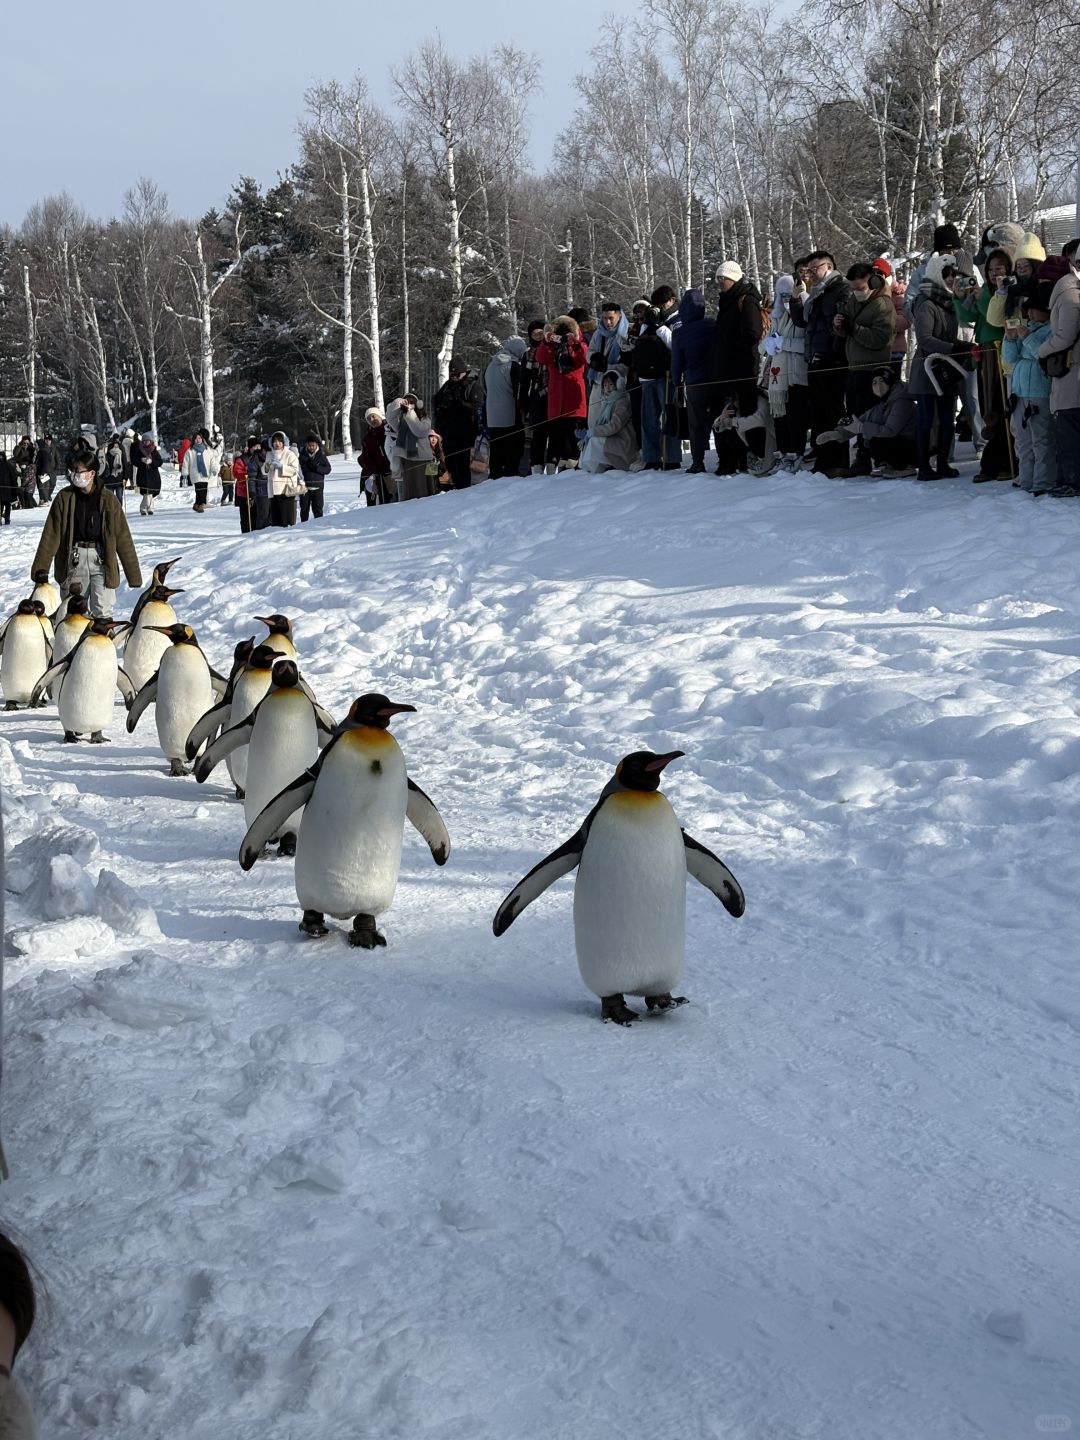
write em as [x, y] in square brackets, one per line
[279, 1188]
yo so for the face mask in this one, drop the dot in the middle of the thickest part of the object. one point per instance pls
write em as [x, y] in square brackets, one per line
[880, 390]
[860, 296]
[82, 480]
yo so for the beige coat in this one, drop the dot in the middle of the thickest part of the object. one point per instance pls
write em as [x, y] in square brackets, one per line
[1065, 332]
[289, 470]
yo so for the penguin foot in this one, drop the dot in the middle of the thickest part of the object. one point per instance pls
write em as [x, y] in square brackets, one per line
[70, 738]
[11, 705]
[97, 738]
[363, 933]
[314, 924]
[177, 767]
[664, 1002]
[614, 1007]
[240, 792]
[287, 845]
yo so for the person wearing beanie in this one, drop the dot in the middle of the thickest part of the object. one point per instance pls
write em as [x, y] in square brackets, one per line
[1030, 419]
[375, 484]
[314, 466]
[947, 240]
[826, 357]
[896, 291]
[454, 413]
[729, 270]
[888, 426]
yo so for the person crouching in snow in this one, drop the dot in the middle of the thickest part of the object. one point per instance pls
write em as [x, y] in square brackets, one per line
[886, 429]
[612, 443]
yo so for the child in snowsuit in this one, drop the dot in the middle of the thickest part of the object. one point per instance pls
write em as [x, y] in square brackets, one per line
[1030, 419]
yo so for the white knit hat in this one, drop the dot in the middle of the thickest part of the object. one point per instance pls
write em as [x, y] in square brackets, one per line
[729, 271]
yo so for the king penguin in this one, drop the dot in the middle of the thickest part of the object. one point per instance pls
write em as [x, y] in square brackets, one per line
[157, 577]
[87, 677]
[630, 894]
[356, 798]
[69, 631]
[75, 591]
[26, 654]
[280, 637]
[181, 691]
[45, 591]
[147, 642]
[282, 735]
[248, 683]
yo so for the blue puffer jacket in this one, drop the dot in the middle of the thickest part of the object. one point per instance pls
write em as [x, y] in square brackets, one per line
[1029, 379]
[690, 341]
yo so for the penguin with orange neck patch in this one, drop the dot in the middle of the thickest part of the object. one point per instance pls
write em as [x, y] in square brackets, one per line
[632, 860]
[356, 799]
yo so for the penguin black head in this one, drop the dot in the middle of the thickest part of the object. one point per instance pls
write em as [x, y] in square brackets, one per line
[160, 571]
[39, 607]
[105, 625]
[78, 605]
[27, 607]
[375, 710]
[74, 590]
[276, 624]
[286, 674]
[178, 634]
[264, 657]
[641, 770]
[41, 577]
[162, 592]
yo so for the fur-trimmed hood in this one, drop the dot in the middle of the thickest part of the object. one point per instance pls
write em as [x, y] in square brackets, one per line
[566, 325]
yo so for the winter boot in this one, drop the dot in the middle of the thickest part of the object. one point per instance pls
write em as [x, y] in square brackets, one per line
[538, 469]
[922, 455]
[551, 468]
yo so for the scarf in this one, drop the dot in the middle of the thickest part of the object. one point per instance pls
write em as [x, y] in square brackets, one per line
[200, 460]
[607, 407]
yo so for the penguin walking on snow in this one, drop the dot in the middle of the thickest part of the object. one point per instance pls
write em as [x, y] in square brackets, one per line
[45, 591]
[630, 894]
[281, 634]
[356, 798]
[181, 691]
[87, 676]
[69, 632]
[147, 642]
[25, 654]
[283, 735]
[232, 708]
[75, 591]
[158, 577]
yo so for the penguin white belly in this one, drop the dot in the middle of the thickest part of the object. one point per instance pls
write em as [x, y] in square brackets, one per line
[284, 742]
[282, 644]
[86, 697]
[24, 654]
[348, 852]
[630, 897]
[68, 635]
[183, 696]
[49, 596]
[247, 692]
[144, 648]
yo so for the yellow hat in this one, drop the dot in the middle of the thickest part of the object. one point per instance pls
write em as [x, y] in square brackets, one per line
[1030, 248]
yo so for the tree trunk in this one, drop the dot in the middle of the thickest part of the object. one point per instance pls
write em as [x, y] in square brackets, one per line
[368, 240]
[346, 314]
[206, 336]
[569, 268]
[31, 358]
[457, 263]
[406, 341]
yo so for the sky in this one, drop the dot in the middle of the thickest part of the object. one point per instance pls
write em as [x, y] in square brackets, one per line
[196, 97]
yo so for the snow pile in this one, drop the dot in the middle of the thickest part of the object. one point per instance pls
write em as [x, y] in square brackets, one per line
[283, 1188]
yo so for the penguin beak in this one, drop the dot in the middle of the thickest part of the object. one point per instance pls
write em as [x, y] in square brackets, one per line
[389, 710]
[654, 766]
[168, 564]
[161, 629]
[263, 620]
[118, 626]
[170, 592]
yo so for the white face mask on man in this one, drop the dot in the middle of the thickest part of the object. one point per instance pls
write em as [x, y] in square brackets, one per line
[82, 479]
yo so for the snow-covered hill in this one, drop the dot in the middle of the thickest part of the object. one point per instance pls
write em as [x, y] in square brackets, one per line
[281, 1188]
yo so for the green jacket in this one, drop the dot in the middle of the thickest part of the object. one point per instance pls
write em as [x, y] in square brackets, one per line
[973, 312]
[869, 329]
[58, 539]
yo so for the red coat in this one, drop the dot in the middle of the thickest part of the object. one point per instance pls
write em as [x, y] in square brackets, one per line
[182, 449]
[239, 474]
[566, 388]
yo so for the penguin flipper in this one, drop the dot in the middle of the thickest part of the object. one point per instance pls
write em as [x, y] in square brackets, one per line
[3, 633]
[143, 700]
[273, 815]
[709, 870]
[206, 726]
[218, 683]
[228, 741]
[126, 688]
[50, 677]
[326, 725]
[553, 867]
[422, 813]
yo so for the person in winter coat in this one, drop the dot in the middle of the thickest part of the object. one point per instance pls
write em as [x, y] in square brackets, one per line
[606, 342]
[785, 377]
[998, 461]
[826, 361]
[257, 506]
[454, 413]
[181, 456]
[1031, 394]
[533, 400]
[886, 428]
[9, 487]
[1063, 342]
[691, 345]
[23, 457]
[240, 493]
[86, 538]
[562, 353]
[201, 467]
[375, 482]
[650, 355]
[46, 464]
[282, 470]
[502, 386]
[896, 291]
[414, 446]
[147, 462]
[612, 443]
[866, 320]
[314, 466]
[733, 363]
[935, 390]
[115, 468]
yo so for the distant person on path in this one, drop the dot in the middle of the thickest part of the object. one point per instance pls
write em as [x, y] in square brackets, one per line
[46, 463]
[147, 463]
[282, 470]
[314, 466]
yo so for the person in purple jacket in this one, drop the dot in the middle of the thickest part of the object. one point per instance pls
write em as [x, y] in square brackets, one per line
[690, 343]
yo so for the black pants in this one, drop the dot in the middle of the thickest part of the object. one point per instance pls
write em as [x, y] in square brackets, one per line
[507, 444]
[283, 510]
[898, 451]
[458, 462]
[792, 426]
[699, 415]
[246, 507]
[563, 442]
[227, 492]
[261, 512]
[826, 396]
[539, 442]
[859, 391]
[200, 491]
[1066, 435]
[312, 502]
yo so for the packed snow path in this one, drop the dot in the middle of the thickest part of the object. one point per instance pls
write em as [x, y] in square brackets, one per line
[282, 1188]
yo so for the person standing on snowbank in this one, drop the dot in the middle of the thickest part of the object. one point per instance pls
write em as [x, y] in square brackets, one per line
[314, 466]
[282, 471]
[86, 534]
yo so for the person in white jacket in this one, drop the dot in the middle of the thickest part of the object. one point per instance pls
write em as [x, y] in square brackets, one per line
[202, 466]
[282, 471]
